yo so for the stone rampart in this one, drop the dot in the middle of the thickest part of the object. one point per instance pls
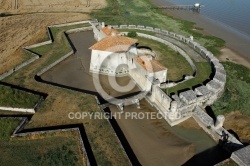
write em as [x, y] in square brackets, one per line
[216, 85]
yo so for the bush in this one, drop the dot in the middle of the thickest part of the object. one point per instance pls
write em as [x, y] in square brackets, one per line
[132, 34]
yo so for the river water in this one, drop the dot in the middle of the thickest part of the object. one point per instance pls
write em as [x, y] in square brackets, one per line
[232, 13]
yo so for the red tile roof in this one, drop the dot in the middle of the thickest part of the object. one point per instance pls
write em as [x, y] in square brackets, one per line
[149, 65]
[114, 44]
[109, 30]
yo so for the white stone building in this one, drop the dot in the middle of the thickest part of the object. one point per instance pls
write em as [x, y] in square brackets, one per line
[117, 55]
[111, 55]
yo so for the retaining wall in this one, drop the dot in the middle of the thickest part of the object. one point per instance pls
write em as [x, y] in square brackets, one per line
[54, 63]
[30, 110]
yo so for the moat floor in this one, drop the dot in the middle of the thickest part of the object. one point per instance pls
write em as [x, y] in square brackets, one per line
[151, 141]
[74, 71]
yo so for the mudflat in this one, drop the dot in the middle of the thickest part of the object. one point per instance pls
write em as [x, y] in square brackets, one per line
[151, 141]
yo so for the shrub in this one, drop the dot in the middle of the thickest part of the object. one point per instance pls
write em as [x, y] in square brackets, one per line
[132, 34]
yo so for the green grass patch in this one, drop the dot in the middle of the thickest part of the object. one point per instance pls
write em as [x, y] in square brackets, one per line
[236, 96]
[8, 126]
[176, 64]
[56, 150]
[203, 72]
[47, 151]
[16, 98]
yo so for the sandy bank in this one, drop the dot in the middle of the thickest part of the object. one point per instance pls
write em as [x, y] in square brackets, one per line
[235, 41]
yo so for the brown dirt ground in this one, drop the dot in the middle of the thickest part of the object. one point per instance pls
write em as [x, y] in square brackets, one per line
[30, 6]
[151, 141]
[231, 56]
[240, 124]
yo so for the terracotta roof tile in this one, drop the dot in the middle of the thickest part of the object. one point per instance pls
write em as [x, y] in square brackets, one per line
[149, 65]
[114, 44]
[109, 30]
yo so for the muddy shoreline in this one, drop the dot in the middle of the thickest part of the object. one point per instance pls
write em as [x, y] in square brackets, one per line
[235, 41]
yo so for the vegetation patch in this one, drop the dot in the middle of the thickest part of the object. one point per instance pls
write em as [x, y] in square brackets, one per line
[8, 126]
[176, 64]
[204, 71]
[16, 98]
[56, 150]
[132, 34]
[236, 96]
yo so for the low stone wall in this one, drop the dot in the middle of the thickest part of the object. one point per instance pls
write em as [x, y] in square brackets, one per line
[79, 30]
[26, 63]
[54, 63]
[72, 23]
[29, 110]
[39, 44]
[6, 74]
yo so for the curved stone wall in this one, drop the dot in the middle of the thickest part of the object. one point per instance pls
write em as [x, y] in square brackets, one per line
[187, 100]
[215, 87]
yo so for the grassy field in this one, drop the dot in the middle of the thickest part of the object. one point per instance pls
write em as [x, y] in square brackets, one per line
[8, 125]
[176, 64]
[236, 96]
[60, 102]
[203, 73]
[15, 98]
[62, 149]
[139, 13]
